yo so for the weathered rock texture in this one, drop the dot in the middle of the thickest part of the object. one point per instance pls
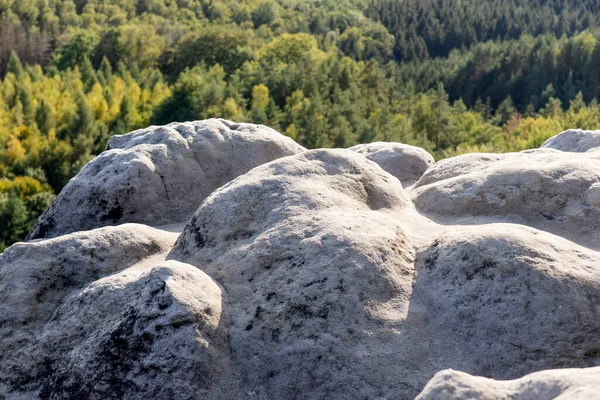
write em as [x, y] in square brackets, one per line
[152, 331]
[316, 275]
[407, 163]
[82, 317]
[550, 190]
[36, 276]
[503, 300]
[574, 140]
[159, 175]
[564, 384]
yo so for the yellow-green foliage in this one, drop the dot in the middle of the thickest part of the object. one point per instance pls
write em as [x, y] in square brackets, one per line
[325, 72]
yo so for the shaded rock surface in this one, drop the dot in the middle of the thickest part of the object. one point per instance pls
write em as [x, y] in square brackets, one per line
[287, 246]
[159, 175]
[405, 162]
[36, 276]
[316, 275]
[151, 331]
[574, 140]
[100, 314]
[564, 384]
[503, 300]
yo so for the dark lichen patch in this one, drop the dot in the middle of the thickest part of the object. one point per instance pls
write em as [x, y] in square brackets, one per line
[547, 215]
[241, 234]
[117, 356]
[432, 255]
[479, 268]
[43, 229]
[275, 333]
[305, 311]
[114, 214]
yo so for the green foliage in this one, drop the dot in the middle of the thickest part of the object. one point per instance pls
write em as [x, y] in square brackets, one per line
[227, 46]
[501, 75]
[80, 46]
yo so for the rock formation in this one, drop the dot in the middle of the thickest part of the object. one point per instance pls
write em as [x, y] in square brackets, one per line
[574, 140]
[307, 274]
[549, 190]
[407, 163]
[564, 384]
[159, 175]
[317, 271]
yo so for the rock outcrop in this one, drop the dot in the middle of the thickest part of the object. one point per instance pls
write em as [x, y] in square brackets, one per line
[317, 271]
[574, 140]
[307, 274]
[503, 300]
[549, 190]
[150, 331]
[564, 384]
[159, 175]
[405, 162]
[100, 314]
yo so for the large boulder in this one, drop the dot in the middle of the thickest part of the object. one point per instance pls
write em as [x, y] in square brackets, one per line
[317, 271]
[160, 175]
[327, 300]
[157, 331]
[565, 384]
[574, 140]
[100, 314]
[36, 277]
[405, 162]
[309, 276]
[504, 300]
[547, 189]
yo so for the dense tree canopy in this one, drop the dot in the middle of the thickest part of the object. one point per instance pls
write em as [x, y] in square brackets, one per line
[452, 77]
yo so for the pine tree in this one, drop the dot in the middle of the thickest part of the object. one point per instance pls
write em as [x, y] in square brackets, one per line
[260, 101]
[83, 124]
[14, 65]
[44, 117]
[88, 75]
[26, 99]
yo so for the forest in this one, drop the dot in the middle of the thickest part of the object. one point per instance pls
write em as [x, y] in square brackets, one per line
[451, 76]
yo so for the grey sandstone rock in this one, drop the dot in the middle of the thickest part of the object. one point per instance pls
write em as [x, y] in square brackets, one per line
[308, 274]
[405, 162]
[505, 300]
[99, 314]
[154, 331]
[317, 272]
[574, 140]
[549, 190]
[36, 276]
[160, 175]
[566, 384]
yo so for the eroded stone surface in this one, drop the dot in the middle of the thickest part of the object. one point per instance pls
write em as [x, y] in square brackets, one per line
[99, 314]
[160, 175]
[504, 300]
[311, 276]
[148, 332]
[405, 162]
[574, 140]
[549, 190]
[563, 384]
[36, 276]
[318, 274]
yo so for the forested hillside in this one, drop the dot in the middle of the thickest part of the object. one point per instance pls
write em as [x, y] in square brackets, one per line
[450, 76]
